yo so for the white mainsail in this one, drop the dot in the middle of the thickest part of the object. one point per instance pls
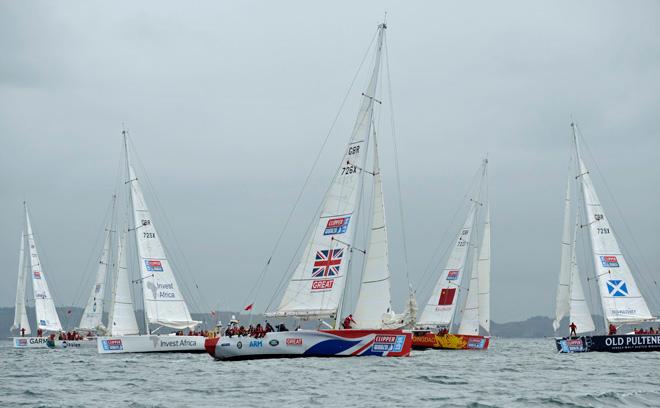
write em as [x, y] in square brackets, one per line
[483, 266]
[470, 317]
[163, 301]
[317, 284]
[374, 299]
[92, 318]
[47, 318]
[20, 314]
[562, 299]
[620, 296]
[440, 308]
[578, 306]
[121, 319]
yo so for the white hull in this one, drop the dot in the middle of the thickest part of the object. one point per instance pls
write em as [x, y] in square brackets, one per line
[71, 344]
[150, 344]
[30, 342]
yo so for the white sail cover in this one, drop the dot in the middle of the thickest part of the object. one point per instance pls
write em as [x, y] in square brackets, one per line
[317, 284]
[439, 310]
[562, 298]
[579, 308]
[47, 318]
[163, 301]
[470, 318]
[483, 266]
[121, 320]
[20, 314]
[374, 299]
[92, 317]
[620, 296]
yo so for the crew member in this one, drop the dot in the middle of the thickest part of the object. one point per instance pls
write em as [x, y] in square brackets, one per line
[612, 330]
[573, 327]
[347, 321]
[22, 331]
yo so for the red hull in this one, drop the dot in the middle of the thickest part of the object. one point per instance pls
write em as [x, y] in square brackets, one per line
[450, 342]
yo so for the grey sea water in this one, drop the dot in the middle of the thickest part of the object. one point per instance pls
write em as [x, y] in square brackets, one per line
[513, 373]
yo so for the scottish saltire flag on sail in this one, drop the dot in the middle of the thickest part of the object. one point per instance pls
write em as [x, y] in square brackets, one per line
[327, 263]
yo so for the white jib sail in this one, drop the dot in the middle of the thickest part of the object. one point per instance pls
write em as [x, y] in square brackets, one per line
[163, 301]
[47, 318]
[92, 318]
[439, 310]
[483, 267]
[579, 308]
[562, 299]
[470, 318]
[317, 284]
[374, 299]
[620, 296]
[20, 314]
[121, 320]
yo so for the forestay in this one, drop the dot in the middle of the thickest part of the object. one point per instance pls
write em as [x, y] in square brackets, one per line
[317, 284]
[20, 314]
[121, 320]
[47, 318]
[92, 318]
[620, 296]
[163, 301]
[439, 310]
[374, 299]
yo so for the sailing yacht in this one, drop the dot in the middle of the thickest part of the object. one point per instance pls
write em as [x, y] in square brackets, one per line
[164, 305]
[620, 298]
[91, 321]
[440, 311]
[47, 319]
[317, 287]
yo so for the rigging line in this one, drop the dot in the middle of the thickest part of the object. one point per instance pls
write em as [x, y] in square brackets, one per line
[258, 283]
[396, 163]
[433, 263]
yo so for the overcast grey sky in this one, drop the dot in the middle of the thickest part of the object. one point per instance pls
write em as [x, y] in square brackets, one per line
[228, 103]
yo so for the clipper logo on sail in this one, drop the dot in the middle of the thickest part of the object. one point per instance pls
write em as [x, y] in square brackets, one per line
[609, 261]
[452, 275]
[336, 226]
[36, 274]
[153, 265]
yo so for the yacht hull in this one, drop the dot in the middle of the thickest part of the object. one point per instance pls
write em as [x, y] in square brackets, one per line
[449, 342]
[150, 344]
[611, 344]
[312, 343]
[30, 342]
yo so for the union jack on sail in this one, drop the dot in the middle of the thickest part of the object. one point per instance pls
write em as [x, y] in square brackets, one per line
[327, 263]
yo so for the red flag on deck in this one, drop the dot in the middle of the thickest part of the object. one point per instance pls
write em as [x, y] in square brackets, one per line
[249, 307]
